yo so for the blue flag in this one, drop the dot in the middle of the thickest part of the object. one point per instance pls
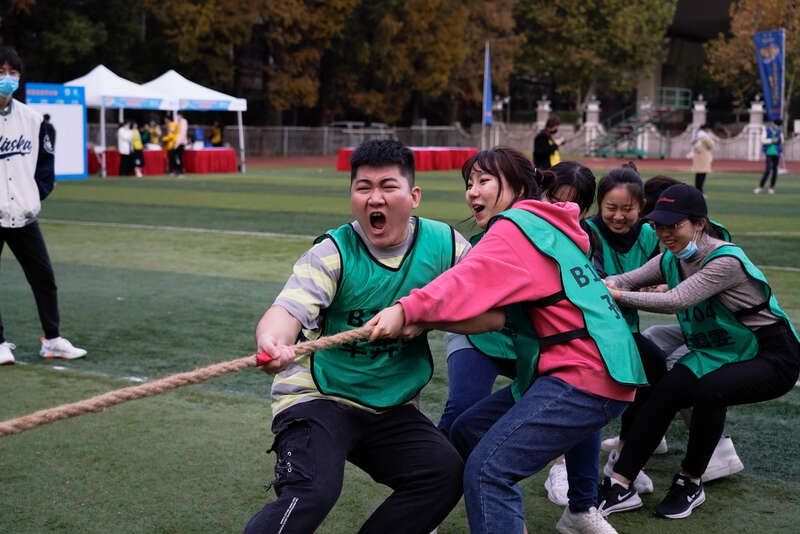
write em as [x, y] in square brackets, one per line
[770, 54]
[487, 88]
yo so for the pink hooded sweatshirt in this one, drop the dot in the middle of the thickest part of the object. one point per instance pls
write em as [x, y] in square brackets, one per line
[504, 268]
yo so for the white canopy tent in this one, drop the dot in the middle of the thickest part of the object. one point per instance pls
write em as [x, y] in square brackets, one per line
[194, 97]
[105, 89]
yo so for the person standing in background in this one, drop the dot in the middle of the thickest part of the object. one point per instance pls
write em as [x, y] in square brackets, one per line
[124, 140]
[138, 150]
[545, 146]
[26, 178]
[155, 136]
[772, 145]
[216, 135]
[49, 130]
[180, 143]
[702, 155]
[170, 134]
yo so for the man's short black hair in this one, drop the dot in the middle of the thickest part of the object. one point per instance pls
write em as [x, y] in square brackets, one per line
[10, 56]
[382, 153]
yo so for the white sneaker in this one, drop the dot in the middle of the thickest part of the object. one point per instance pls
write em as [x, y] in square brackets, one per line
[723, 462]
[771, 191]
[557, 484]
[6, 356]
[757, 190]
[590, 521]
[642, 484]
[60, 348]
[611, 444]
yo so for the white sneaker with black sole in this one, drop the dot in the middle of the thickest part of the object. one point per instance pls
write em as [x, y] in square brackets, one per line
[643, 483]
[682, 497]
[588, 522]
[614, 497]
[724, 462]
[557, 484]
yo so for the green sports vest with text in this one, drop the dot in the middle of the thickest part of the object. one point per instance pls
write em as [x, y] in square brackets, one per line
[714, 334]
[615, 262]
[587, 292]
[388, 372]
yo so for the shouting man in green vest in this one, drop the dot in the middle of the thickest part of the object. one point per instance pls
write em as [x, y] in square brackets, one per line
[357, 402]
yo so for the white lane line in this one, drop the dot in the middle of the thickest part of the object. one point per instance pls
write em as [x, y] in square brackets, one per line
[781, 268]
[178, 229]
[767, 234]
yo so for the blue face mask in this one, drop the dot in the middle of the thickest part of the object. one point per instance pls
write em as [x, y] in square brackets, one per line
[8, 84]
[688, 251]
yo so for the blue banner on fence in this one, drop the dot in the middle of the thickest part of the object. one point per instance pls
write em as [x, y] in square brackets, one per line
[487, 88]
[770, 54]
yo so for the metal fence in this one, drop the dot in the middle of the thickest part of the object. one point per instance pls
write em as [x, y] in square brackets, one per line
[314, 141]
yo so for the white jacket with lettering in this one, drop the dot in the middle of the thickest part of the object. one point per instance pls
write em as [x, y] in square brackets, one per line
[27, 165]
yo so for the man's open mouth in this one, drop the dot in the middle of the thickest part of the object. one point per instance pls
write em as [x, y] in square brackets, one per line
[377, 220]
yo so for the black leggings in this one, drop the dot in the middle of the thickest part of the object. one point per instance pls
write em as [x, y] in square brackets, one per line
[699, 180]
[654, 362]
[28, 246]
[772, 167]
[772, 373]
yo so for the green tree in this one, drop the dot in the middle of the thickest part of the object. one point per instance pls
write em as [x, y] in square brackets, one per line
[584, 46]
[487, 20]
[202, 34]
[298, 33]
[59, 40]
[394, 52]
[731, 58]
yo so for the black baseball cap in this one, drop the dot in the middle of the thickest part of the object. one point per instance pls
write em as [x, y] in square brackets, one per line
[678, 202]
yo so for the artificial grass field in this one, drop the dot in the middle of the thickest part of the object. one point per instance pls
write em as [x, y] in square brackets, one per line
[158, 276]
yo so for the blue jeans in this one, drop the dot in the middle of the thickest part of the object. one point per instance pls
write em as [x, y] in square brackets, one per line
[471, 375]
[551, 419]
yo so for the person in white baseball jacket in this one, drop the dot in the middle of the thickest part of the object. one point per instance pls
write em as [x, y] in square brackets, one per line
[27, 176]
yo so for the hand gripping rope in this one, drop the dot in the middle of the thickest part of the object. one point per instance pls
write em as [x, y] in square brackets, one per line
[148, 389]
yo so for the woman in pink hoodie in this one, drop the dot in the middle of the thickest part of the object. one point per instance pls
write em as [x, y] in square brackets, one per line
[577, 364]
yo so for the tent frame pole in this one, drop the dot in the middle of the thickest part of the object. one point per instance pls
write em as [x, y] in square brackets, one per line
[242, 167]
[103, 169]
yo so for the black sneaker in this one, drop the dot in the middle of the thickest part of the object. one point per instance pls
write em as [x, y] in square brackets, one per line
[615, 498]
[682, 497]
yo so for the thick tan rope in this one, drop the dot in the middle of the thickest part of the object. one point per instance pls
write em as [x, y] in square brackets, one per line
[148, 389]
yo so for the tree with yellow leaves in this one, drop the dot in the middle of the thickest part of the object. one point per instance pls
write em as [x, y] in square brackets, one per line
[731, 57]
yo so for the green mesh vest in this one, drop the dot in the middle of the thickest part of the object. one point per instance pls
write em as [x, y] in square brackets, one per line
[714, 334]
[388, 372]
[586, 291]
[615, 262]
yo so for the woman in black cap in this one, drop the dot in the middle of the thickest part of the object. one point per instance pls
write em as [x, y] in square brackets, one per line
[742, 347]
